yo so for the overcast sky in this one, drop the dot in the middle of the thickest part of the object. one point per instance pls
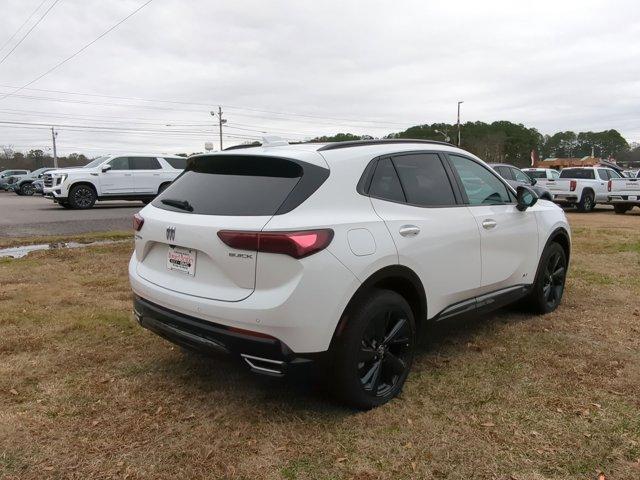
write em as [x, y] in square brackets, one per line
[304, 68]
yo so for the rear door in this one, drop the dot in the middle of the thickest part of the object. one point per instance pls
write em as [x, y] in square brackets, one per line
[147, 174]
[223, 192]
[119, 179]
[508, 237]
[436, 236]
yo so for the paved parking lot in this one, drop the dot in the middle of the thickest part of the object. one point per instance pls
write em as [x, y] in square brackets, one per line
[25, 216]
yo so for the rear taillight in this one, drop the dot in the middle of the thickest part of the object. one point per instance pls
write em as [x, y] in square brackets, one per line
[138, 221]
[295, 244]
[609, 185]
[572, 185]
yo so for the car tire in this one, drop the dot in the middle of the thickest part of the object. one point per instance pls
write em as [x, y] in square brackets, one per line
[82, 197]
[548, 288]
[621, 209]
[374, 352]
[27, 189]
[587, 202]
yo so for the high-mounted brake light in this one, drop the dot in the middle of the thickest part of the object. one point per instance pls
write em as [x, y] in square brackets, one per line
[609, 185]
[295, 244]
[138, 221]
[572, 185]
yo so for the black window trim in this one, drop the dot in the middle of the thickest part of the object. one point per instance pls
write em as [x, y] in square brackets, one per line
[510, 189]
[364, 184]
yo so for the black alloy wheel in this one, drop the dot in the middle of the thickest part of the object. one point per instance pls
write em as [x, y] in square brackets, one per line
[385, 352]
[548, 289]
[372, 355]
[82, 197]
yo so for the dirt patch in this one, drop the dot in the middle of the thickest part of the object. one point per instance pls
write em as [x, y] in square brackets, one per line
[86, 393]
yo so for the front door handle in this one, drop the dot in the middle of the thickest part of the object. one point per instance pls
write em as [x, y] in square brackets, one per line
[127, 174]
[409, 230]
[489, 224]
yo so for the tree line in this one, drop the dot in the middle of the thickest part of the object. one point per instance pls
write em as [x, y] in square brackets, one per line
[507, 142]
[36, 158]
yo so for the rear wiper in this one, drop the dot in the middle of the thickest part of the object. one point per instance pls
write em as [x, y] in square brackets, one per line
[181, 204]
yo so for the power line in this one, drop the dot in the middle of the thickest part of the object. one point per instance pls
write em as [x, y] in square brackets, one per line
[21, 26]
[78, 52]
[29, 31]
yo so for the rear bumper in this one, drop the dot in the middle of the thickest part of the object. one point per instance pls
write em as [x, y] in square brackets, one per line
[631, 199]
[261, 353]
[565, 198]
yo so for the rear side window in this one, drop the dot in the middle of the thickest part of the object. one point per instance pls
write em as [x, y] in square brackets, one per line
[177, 163]
[536, 174]
[242, 185]
[424, 180]
[386, 184]
[578, 173]
[144, 163]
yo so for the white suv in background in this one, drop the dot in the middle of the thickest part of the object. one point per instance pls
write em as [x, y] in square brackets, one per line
[338, 254]
[117, 177]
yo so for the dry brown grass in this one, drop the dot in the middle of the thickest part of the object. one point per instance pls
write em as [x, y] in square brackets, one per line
[86, 393]
[7, 242]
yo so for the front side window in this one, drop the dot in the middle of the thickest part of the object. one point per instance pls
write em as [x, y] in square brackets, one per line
[520, 176]
[481, 185]
[504, 172]
[424, 180]
[614, 174]
[604, 174]
[120, 163]
[144, 163]
[386, 184]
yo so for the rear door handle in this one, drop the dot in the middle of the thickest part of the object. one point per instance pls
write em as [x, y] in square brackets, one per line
[127, 174]
[489, 224]
[409, 230]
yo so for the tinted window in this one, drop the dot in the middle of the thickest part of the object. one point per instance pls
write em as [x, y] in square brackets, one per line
[480, 184]
[237, 185]
[520, 176]
[179, 163]
[614, 174]
[536, 174]
[504, 172]
[120, 163]
[385, 183]
[424, 180]
[144, 163]
[578, 173]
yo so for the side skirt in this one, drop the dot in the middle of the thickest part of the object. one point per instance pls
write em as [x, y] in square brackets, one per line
[484, 303]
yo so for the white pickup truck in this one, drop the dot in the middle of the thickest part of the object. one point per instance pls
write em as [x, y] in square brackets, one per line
[117, 177]
[583, 187]
[624, 193]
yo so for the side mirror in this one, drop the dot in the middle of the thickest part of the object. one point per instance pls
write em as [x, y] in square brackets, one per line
[526, 198]
[106, 168]
[533, 181]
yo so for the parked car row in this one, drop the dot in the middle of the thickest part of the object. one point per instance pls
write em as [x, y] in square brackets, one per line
[115, 177]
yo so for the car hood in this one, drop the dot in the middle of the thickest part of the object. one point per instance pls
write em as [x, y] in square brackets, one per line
[69, 171]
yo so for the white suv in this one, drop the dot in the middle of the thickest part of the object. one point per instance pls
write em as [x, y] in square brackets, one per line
[337, 254]
[117, 177]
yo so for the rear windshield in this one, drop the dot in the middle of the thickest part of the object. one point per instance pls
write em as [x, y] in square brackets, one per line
[577, 173]
[177, 163]
[241, 185]
[536, 174]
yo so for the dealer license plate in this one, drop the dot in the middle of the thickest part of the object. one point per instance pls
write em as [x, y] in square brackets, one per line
[182, 260]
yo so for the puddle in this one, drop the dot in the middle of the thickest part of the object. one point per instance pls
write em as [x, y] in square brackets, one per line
[23, 251]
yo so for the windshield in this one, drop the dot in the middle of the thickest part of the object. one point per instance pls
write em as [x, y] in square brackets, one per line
[577, 173]
[95, 162]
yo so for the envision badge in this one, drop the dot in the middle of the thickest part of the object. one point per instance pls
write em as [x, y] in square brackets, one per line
[171, 233]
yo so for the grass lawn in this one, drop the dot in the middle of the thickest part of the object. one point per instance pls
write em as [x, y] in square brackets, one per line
[86, 393]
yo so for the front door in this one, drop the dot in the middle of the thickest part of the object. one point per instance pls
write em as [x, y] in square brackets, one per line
[435, 235]
[508, 237]
[118, 180]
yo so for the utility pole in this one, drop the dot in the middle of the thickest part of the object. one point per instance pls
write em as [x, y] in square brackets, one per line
[221, 121]
[459, 122]
[54, 134]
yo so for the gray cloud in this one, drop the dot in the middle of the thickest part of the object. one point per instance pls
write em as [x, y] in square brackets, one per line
[551, 65]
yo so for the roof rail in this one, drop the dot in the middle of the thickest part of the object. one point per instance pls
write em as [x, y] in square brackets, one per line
[360, 143]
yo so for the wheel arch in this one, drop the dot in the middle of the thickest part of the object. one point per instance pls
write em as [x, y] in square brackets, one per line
[588, 190]
[561, 236]
[83, 182]
[397, 278]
